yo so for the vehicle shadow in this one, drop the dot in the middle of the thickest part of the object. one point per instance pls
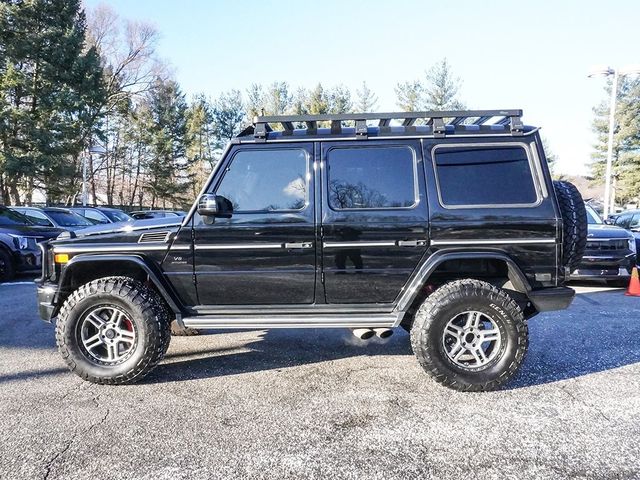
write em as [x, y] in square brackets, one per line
[588, 338]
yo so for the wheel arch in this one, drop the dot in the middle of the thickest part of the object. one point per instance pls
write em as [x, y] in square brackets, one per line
[415, 286]
[82, 269]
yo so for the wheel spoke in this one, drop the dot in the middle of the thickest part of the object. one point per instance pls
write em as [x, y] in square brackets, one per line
[454, 330]
[95, 320]
[490, 335]
[92, 342]
[479, 355]
[126, 336]
[116, 316]
[112, 352]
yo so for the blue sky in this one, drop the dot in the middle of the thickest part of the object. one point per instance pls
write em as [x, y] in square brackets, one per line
[509, 54]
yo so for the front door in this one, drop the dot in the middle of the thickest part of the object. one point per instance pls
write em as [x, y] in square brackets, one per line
[374, 219]
[265, 254]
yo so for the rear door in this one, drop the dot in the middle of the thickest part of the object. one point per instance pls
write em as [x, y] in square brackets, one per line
[265, 254]
[374, 219]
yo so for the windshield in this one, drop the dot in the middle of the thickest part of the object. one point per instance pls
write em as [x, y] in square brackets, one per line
[592, 217]
[8, 217]
[116, 215]
[68, 219]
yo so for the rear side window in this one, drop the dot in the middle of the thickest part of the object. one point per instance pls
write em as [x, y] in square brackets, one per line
[471, 176]
[371, 178]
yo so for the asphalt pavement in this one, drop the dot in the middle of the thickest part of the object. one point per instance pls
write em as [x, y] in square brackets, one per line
[321, 404]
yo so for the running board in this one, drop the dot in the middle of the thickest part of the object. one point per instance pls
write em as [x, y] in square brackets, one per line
[293, 321]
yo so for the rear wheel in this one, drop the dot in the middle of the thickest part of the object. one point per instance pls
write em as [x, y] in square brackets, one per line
[7, 270]
[113, 330]
[470, 335]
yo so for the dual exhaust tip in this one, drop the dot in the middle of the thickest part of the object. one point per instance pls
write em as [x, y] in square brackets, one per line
[367, 333]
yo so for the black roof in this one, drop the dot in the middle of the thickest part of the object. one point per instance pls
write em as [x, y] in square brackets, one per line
[365, 125]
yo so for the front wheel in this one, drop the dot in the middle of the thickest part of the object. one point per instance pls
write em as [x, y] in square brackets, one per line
[113, 330]
[470, 335]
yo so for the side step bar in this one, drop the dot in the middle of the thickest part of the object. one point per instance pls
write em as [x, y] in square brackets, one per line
[293, 321]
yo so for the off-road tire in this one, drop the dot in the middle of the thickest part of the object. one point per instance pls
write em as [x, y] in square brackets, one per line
[178, 331]
[144, 308]
[574, 223]
[7, 269]
[452, 299]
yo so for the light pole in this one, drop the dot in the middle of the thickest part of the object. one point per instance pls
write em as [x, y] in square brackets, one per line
[97, 150]
[609, 200]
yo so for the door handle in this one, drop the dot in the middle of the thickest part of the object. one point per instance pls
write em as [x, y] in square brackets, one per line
[412, 243]
[298, 245]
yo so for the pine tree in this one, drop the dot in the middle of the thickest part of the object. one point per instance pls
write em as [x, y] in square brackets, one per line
[366, 100]
[167, 168]
[409, 96]
[50, 95]
[626, 140]
[441, 88]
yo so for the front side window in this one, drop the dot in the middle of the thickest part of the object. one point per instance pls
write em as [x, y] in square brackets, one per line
[484, 176]
[266, 180]
[371, 178]
[623, 221]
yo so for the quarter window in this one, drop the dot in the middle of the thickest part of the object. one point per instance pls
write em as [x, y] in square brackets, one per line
[371, 177]
[267, 180]
[484, 176]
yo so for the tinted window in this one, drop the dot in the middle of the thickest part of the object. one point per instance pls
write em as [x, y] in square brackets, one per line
[635, 221]
[116, 215]
[623, 221]
[371, 177]
[7, 217]
[484, 176]
[96, 216]
[592, 216]
[261, 180]
[68, 219]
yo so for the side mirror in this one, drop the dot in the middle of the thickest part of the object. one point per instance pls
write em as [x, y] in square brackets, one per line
[210, 205]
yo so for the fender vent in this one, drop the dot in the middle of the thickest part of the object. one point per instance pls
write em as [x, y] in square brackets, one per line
[154, 237]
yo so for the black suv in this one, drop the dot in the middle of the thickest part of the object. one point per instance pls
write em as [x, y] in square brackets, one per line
[444, 223]
[19, 238]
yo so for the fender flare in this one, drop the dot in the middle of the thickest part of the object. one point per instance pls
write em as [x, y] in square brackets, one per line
[518, 279]
[155, 276]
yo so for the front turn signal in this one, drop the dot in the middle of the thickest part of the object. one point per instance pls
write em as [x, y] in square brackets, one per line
[61, 257]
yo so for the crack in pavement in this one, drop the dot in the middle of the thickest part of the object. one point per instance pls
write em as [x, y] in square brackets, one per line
[580, 400]
[51, 462]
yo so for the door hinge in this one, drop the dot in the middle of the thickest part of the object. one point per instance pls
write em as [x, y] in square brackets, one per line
[322, 277]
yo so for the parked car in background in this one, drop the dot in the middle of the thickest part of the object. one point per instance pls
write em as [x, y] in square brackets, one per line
[19, 238]
[103, 215]
[630, 221]
[62, 218]
[610, 254]
[146, 214]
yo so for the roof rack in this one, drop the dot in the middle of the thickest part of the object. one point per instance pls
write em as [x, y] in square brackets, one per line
[437, 120]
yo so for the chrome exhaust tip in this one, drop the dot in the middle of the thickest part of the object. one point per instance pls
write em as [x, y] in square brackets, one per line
[363, 333]
[383, 332]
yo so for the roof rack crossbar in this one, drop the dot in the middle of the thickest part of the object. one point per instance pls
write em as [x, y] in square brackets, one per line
[438, 119]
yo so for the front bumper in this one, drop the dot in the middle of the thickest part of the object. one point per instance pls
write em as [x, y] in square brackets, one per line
[46, 297]
[27, 260]
[548, 299]
[601, 267]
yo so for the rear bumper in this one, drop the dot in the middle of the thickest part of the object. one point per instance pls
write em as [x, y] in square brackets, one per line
[548, 299]
[46, 296]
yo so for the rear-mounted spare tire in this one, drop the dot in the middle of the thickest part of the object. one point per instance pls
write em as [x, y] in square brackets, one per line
[574, 223]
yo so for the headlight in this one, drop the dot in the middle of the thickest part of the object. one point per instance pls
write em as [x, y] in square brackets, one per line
[632, 244]
[21, 243]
